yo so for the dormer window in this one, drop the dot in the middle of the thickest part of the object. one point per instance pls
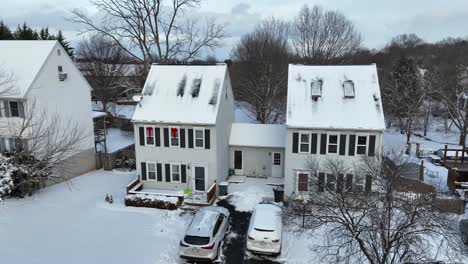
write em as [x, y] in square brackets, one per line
[348, 89]
[316, 89]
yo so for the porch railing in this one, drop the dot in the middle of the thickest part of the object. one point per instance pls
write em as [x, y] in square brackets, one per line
[211, 193]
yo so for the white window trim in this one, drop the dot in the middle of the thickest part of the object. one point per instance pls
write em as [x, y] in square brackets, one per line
[146, 136]
[273, 158]
[195, 137]
[337, 144]
[308, 143]
[180, 172]
[357, 144]
[155, 171]
[308, 180]
[170, 137]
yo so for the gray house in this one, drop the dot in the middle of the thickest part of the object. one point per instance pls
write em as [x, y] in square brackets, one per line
[332, 111]
[182, 126]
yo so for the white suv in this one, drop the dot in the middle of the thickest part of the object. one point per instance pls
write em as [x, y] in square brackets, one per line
[264, 235]
[203, 238]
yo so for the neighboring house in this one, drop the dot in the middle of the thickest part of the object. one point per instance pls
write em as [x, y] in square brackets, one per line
[47, 84]
[332, 112]
[182, 127]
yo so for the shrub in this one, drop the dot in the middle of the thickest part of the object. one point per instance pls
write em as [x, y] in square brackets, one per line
[125, 163]
[152, 201]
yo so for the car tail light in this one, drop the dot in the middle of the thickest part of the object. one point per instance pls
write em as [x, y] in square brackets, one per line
[251, 238]
[209, 247]
[182, 244]
[275, 241]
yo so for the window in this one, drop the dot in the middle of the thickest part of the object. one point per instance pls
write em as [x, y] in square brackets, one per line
[14, 109]
[361, 145]
[333, 144]
[197, 240]
[58, 52]
[304, 143]
[60, 69]
[348, 89]
[218, 224]
[151, 171]
[199, 138]
[276, 158]
[331, 182]
[316, 89]
[303, 182]
[174, 137]
[149, 135]
[175, 172]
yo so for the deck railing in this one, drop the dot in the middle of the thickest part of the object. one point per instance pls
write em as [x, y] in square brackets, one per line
[211, 193]
[132, 184]
[458, 156]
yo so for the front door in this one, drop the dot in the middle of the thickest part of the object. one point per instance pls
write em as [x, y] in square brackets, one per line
[200, 179]
[276, 165]
[238, 162]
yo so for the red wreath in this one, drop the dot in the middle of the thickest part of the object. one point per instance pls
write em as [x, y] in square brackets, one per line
[174, 132]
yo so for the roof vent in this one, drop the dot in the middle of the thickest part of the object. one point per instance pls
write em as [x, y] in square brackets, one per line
[196, 84]
[348, 89]
[316, 89]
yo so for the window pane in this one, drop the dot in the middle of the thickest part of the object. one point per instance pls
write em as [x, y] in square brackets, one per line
[175, 168]
[304, 147]
[304, 138]
[151, 167]
[174, 141]
[152, 175]
[332, 148]
[361, 150]
[362, 140]
[199, 143]
[303, 182]
[333, 139]
[199, 134]
[175, 177]
[14, 110]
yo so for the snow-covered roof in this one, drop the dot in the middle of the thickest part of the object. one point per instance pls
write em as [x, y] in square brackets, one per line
[181, 94]
[97, 114]
[22, 60]
[258, 135]
[332, 110]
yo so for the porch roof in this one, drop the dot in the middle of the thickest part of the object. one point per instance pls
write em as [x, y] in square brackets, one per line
[258, 135]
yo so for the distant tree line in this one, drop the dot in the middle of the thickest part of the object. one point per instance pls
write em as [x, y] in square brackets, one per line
[25, 32]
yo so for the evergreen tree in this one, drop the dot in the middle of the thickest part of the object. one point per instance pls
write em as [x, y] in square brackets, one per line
[65, 44]
[45, 35]
[5, 32]
[25, 33]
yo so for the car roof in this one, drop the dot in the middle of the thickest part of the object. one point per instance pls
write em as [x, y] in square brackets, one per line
[266, 216]
[203, 223]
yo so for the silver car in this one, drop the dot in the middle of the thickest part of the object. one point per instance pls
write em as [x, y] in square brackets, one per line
[203, 238]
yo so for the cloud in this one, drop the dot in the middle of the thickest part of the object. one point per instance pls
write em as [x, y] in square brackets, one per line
[240, 9]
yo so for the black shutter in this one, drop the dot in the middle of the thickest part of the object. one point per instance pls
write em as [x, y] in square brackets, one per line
[368, 184]
[321, 182]
[21, 109]
[166, 137]
[339, 183]
[157, 135]
[207, 138]
[182, 138]
[184, 173]
[295, 142]
[190, 138]
[349, 182]
[323, 144]
[7, 108]
[371, 151]
[313, 145]
[352, 145]
[142, 136]
[143, 171]
[159, 172]
[167, 169]
[342, 145]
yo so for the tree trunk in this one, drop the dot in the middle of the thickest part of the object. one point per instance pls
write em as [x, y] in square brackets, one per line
[462, 139]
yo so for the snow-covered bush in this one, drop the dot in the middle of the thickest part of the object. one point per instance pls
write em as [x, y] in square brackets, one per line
[153, 201]
[6, 180]
[125, 163]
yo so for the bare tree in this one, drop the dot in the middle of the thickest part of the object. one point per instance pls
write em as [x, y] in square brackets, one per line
[260, 71]
[381, 226]
[7, 83]
[154, 30]
[322, 36]
[105, 65]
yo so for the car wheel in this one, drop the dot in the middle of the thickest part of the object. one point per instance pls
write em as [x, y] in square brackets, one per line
[465, 239]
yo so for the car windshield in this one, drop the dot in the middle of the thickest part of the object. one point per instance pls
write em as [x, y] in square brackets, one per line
[196, 240]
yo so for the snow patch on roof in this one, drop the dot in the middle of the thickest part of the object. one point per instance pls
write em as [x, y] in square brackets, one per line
[258, 135]
[332, 110]
[164, 102]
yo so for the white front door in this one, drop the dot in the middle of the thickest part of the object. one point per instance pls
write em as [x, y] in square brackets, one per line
[276, 164]
[199, 178]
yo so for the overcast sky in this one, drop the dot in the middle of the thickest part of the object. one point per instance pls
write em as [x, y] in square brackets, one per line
[377, 20]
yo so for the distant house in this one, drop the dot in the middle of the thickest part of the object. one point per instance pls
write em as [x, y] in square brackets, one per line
[46, 82]
[332, 111]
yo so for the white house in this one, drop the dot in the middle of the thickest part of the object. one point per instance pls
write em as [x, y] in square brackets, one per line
[332, 111]
[44, 81]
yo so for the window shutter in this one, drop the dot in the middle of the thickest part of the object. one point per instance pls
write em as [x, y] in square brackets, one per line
[183, 173]
[313, 145]
[6, 105]
[339, 183]
[159, 172]
[295, 142]
[143, 171]
[321, 182]
[371, 151]
[2, 145]
[352, 145]
[182, 137]
[190, 138]
[166, 137]
[368, 184]
[207, 138]
[349, 182]
[21, 109]
[1, 108]
[142, 136]
[157, 136]
[11, 143]
[342, 145]
[323, 144]
[167, 169]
